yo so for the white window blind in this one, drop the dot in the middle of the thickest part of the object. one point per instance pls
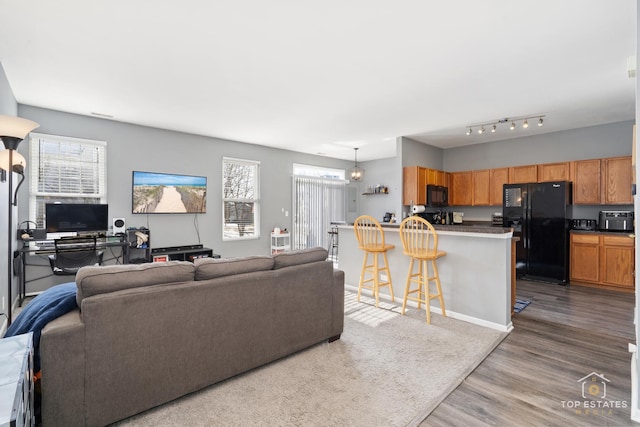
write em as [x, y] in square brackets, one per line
[240, 199]
[317, 203]
[65, 170]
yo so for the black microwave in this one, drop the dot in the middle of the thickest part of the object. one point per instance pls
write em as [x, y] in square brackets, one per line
[437, 196]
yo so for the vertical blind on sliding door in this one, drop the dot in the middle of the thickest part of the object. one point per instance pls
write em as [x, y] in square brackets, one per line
[316, 203]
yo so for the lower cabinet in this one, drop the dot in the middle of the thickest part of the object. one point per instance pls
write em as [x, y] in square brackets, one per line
[603, 260]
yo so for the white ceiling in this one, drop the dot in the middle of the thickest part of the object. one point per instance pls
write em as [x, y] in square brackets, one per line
[325, 76]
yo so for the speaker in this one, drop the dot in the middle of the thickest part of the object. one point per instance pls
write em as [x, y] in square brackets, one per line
[119, 226]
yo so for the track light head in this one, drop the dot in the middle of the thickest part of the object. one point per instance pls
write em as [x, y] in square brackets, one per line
[513, 126]
[481, 130]
[540, 121]
[469, 131]
[493, 128]
[525, 124]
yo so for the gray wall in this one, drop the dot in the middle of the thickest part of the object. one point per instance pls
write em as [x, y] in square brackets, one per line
[578, 144]
[132, 147]
[415, 153]
[8, 107]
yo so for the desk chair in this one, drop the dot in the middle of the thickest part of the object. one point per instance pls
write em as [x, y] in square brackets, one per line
[371, 240]
[72, 253]
[420, 242]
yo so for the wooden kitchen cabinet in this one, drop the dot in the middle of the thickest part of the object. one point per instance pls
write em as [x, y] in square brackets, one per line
[586, 176]
[481, 187]
[554, 172]
[585, 258]
[523, 174]
[414, 185]
[617, 256]
[436, 177]
[415, 180]
[461, 188]
[603, 260]
[498, 177]
[617, 180]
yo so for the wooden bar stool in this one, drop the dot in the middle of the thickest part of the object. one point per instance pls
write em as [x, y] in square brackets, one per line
[371, 240]
[420, 242]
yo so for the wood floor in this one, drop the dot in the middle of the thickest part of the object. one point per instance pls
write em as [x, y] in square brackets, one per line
[565, 334]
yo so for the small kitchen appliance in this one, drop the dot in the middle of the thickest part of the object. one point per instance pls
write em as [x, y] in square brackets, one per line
[616, 220]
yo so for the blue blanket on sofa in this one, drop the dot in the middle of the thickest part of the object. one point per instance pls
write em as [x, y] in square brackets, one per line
[49, 305]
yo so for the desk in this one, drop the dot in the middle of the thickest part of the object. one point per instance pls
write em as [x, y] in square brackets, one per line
[21, 257]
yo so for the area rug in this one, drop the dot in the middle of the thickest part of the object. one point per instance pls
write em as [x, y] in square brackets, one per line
[386, 370]
[520, 305]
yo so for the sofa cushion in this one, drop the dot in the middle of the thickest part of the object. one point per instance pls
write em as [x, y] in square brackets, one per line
[302, 256]
[111, 278]
[210, 268]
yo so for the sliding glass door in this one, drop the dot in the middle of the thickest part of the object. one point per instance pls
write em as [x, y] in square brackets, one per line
[317, 202]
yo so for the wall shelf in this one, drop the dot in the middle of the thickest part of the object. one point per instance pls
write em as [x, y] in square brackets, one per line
[371, 194]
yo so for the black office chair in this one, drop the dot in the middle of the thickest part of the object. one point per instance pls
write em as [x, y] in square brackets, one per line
[72, 253]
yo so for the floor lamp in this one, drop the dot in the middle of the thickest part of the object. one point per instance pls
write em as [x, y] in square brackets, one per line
[12, 131]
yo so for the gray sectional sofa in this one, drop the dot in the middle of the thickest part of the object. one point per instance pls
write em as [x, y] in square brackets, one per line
[147, 334]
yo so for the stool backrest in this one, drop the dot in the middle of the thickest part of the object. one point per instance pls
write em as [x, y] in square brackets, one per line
[418, 235]
[368, 231]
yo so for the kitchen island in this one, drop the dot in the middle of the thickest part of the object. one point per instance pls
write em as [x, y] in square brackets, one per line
[476, 273]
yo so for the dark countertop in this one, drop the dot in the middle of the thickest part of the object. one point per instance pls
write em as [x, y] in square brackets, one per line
[465, 227]
[604, 232]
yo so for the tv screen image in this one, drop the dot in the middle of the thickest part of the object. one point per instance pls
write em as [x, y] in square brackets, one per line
[76, 217]
[168, 193]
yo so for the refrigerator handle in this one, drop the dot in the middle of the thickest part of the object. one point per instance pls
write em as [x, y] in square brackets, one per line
[525, 221]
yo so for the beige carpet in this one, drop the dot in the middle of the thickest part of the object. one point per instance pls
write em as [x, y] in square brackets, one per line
[386, 370]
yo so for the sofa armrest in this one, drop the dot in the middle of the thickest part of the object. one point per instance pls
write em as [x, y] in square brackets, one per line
[62, 355]
[338, 302]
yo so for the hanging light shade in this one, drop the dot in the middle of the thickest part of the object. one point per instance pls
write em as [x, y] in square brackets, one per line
[356, 173]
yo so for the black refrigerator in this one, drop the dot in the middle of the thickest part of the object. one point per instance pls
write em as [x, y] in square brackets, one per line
[540, 215]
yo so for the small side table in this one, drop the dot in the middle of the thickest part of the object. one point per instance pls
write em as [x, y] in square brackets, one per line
[280, 243]
[16, 381]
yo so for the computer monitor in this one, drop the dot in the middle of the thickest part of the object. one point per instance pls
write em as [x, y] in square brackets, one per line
[76, 217]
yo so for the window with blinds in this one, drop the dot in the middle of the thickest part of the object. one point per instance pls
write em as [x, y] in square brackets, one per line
[240, 199]
[65, 170]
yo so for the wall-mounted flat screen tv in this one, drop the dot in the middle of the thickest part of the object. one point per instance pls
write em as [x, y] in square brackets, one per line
[168, 193]
[76, 217]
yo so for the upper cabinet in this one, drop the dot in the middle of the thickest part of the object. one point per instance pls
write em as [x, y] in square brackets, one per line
[414, 185]
[554, 172]
[498, 177]
[415, 180]
[586, 178]
[523, 174]
[461, 188]
[481, 187]
[617, 181]
[595, 181]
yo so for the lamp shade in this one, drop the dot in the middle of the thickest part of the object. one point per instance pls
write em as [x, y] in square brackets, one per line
[18, 160]
[16, 127]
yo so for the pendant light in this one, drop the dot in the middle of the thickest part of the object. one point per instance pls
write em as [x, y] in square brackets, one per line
[356, 173]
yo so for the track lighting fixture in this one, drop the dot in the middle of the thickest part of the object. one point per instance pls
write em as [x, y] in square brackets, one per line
[494, 124]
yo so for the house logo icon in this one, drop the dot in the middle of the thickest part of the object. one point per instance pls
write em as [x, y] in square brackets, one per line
[594, 385]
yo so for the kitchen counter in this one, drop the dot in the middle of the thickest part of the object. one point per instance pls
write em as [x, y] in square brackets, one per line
[475, 273]
[603, 232]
